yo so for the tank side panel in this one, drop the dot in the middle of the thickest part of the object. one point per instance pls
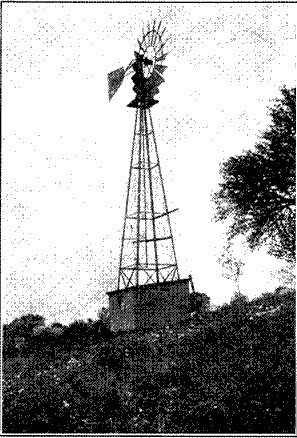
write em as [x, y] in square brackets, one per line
[122, 309]
[159, 306]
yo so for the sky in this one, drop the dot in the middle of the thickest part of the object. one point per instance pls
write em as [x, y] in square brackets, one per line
[66, 148]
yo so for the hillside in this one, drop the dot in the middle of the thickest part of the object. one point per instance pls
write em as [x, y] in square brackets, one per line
[231, 370]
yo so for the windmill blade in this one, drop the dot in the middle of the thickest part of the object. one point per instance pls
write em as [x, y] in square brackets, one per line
[162, 45]
[154, 81]
[148, 35]
[115, 79]
[162, 57]
[160, 68]
[159, 27]
[153, 30]
[140, 45]
[156, 34]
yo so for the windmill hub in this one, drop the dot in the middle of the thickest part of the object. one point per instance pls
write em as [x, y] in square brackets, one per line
[149, 55]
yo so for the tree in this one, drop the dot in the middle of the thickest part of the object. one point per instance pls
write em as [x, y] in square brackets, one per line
[75, 336]
[231, 266]
[25, 325]
[286, 275]
[239, 305]
[258, 188]
[18, 332]
[199, 302]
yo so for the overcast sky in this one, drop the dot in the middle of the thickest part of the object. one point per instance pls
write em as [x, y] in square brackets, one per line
[66, 148]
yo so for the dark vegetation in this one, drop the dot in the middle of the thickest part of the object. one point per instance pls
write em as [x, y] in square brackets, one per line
[257, 192]
[230, 370]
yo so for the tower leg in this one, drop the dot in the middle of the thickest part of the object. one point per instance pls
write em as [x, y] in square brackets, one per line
[152, 197]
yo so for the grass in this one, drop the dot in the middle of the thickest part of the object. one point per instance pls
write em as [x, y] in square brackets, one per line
[232, 371]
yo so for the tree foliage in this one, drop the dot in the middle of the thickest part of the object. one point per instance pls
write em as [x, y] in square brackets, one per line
[25, 325]
[199, 302]
[258, 188]
[19, 331]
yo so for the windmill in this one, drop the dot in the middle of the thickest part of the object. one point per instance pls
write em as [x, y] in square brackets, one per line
[147, 257]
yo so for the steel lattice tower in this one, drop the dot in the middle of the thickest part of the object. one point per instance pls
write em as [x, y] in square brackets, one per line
[147, 250]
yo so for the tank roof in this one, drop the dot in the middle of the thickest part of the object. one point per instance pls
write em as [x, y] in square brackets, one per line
[148, 286]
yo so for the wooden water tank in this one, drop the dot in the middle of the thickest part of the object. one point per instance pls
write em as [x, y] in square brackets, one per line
[150, 307]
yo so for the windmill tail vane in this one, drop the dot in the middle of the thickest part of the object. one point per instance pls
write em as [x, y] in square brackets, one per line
[115, 79]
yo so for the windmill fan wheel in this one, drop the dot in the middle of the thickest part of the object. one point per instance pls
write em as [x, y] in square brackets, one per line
[151, 47]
